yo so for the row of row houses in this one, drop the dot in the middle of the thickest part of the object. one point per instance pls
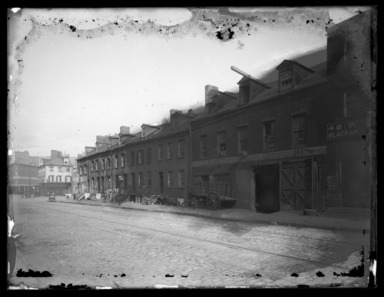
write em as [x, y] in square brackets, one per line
[297, 142]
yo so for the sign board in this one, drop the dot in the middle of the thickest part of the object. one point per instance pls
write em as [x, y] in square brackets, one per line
[341, 129]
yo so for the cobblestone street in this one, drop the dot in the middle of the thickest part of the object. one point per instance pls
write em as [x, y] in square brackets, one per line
[103, 246]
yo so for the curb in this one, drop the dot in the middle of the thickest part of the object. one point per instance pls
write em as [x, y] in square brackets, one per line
[260, 220]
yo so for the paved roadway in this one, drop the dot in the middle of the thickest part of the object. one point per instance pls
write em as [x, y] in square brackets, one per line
[102, 246]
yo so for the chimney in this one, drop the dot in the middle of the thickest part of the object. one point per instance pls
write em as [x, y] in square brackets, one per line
[55, 154]
[124, 130]
[190, 113]
[209, 92]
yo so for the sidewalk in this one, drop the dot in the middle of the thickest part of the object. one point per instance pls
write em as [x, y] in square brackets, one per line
[335, 219]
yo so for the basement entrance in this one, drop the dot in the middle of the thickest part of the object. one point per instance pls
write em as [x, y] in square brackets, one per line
[267, 189]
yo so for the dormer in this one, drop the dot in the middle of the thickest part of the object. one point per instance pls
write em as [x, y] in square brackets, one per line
[89, 149]
[291, 73]
[250, 87]
[147, 130]
[177, 118]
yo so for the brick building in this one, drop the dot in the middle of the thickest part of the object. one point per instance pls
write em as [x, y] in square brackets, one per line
[152, 161]
[23, 179]
[297, 142]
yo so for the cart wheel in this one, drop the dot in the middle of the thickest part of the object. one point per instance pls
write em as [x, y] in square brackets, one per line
[193, 202]
[213, 201]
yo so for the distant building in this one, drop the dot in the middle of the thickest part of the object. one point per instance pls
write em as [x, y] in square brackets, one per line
[23, 179]
[24, 158]
[55, 175]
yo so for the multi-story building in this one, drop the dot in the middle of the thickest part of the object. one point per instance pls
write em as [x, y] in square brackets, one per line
[152, 161]
[56, 175]
[23, 179]
[297, 142]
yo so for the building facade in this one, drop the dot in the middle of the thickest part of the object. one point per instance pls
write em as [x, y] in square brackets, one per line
[298, 142]
[23, 179]
[153, 161]
[56, 176]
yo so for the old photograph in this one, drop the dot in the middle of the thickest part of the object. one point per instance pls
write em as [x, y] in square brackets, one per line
[182, 147]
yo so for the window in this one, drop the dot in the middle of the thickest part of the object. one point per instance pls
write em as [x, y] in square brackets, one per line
[103, 164]
[85, 169]
[160, 152]
[181, 178]
[81, 170]
[299, 130]
[149, 155]
[170, 179]
[149, 178]
[140, 157]
[203, 146]
[169, 151]
[50, 168]
[67, 179]
[140, 179]
[286, 80]
[243, 139]
[221, 144]
[50, 178]
[180, 149]
[97, 165]
[58, 178]
[122, 160]
[116, 162]
[268, 135]
[68, 169]
[92, 166]
[109, 163]
[132, 158]
[59, 168]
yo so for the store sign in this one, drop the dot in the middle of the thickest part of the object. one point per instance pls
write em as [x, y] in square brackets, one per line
[341, 129]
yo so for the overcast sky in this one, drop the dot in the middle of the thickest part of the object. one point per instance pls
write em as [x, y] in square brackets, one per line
[75, 74]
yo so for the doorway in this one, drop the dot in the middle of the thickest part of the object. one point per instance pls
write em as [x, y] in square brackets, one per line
[267, 189]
